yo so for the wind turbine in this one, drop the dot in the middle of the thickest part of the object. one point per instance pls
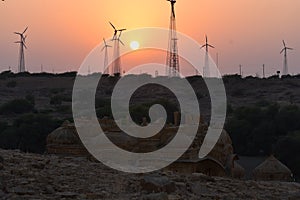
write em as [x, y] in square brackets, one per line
[105, 67]
[116, 58]
[285, 63]
[116, 31]
[206, 69]
[206, 45]
[22, 43]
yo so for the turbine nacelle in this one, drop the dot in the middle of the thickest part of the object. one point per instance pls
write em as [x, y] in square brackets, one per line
[116, 30]
[285, 48]
[105, 45]
[206, 45]
[172, 6]
[22, 38]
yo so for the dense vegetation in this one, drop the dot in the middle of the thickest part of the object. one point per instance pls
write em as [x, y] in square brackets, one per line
[267, 128]
[27, 133]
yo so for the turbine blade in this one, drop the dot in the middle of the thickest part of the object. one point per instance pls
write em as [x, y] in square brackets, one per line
[108, 46]
[25, 30]
[102, 49]
[282, 51]
[211, 46]
[203, 46]
[289, 48]
[121, 42]
[283, 43]
[124, 29]
[112, 26]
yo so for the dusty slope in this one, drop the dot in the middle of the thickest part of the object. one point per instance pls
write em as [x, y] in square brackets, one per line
[31, 176]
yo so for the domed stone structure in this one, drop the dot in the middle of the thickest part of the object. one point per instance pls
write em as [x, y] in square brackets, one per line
[223, 149]
[272, 170]
[214, 164]
[65, 140]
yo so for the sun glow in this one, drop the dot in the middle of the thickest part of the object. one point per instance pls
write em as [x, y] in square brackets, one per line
[134, 45]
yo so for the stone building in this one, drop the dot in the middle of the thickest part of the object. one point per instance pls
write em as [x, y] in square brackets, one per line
[272, 170]
[65, 140]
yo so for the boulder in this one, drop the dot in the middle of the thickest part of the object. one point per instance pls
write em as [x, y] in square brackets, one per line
[156, 196]
[157, 184]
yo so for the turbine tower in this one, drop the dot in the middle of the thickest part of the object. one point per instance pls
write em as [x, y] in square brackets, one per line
[172, 54]
[285, 62]
[206, 69]
[105, 66]
[21, 64]
[117, 60]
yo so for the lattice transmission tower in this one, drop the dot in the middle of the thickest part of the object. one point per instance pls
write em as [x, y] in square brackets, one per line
[172, 54]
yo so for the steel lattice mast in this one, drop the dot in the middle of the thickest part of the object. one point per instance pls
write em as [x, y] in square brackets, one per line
[172, 54]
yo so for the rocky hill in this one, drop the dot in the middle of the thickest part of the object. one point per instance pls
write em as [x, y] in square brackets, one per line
[34, 176]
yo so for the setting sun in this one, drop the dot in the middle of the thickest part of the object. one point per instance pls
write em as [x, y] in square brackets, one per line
[134, 45]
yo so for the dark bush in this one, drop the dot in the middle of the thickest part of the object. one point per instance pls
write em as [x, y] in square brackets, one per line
[104, 112]
[30, 98]
[28, 133]
[139, 111]
[286, 150]
[56, 100]
[57, 90]
[16, 106]
[11, 84]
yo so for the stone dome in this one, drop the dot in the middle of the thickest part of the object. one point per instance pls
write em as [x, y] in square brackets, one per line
[223, 148]
[272, 170]
[65, 140]
[66, 134]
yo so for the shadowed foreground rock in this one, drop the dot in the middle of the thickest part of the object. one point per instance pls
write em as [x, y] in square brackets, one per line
[31, 176]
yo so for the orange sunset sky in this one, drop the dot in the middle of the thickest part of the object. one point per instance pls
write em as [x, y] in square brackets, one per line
[62, 32]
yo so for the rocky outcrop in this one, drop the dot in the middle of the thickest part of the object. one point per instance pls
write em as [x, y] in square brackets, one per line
[31, 176]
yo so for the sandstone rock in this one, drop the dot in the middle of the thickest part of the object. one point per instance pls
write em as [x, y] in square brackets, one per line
[73, 178]
[201, 177]
[49, 189]
[157, 184]
[67, 194]
[155, 196]
[199, 189]
[22, 191]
